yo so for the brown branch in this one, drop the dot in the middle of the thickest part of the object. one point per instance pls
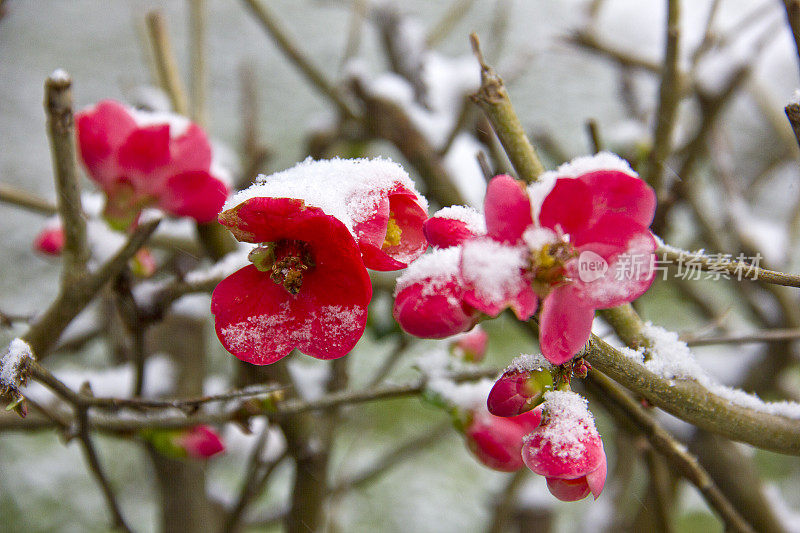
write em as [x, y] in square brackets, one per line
[669, 96]
[24, 199]
[793, 17]
[765, 336]
[738, 269]
[61, 130]
[300, 60]
[495, 102]
[46, 330]
[90, 454]
[197, 43]
[169, 76]
[670, 448]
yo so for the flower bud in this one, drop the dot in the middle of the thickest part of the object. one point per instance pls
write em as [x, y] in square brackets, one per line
[521, 387]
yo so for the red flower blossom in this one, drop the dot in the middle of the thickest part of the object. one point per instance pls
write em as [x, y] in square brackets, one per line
[497, 441]
[587, 248]
[392, 236]
[375, 200]
[307, 287]
[200, 442]
[141, 159]
[566, 448]
[599, 255]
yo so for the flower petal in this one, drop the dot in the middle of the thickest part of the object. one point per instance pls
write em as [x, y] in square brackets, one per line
[507, 209]
[145, 150]
[190, 151]
[620, 193]
[565, 324]
[568, 490]
[260, 321]
[433, 314]
[101, 131]
[567, 207]
[195, 194]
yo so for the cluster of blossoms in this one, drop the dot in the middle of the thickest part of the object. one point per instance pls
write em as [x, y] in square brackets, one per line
[140, 160]
[557, 246]
[317, 227]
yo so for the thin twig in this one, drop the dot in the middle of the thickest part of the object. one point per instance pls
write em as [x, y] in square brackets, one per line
[669, 96]
[454, 13]
[46, 330]
[495, 102]
[256, 474]
[197, 48]
[168, 73]
[726, 266]
[24, 199]
[90, 454]
[61, 130]
[391, 459]
[766, 336]
[301, 60]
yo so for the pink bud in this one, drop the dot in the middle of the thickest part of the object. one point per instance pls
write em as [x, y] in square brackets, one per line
[497, 441]
[200, 442]
[567, 449]
[471, 346]
[519, 391]
[50, 241]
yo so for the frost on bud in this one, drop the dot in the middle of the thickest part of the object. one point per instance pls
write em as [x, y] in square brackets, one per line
[566, 448]
[199, 442]
[471, 346]
[521, 387]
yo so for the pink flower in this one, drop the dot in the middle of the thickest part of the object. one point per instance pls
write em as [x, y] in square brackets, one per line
[521, 387]
[374, 198]
[429, 297]
[566, 448]
[587, 248]
[200, 442]
[471, 346]
[307, 287]
[497, 441]
[50, 241]
[147, 159]
[392, 236]
[599, 254]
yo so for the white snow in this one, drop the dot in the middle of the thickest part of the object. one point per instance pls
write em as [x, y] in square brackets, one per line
[592, 163]
[348, 189]
[461, 161]
[467, 395]
[471, 217]
[60, 74]
[671, 359]
[178, 124]
[528, 363]
[439, 267]
[569, 424]
[18, 352]
[230, 263]
[536, 238]
[493, 268]
[310, 377]
[795, 99]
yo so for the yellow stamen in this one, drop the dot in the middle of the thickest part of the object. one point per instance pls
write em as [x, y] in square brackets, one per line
[393, 233]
